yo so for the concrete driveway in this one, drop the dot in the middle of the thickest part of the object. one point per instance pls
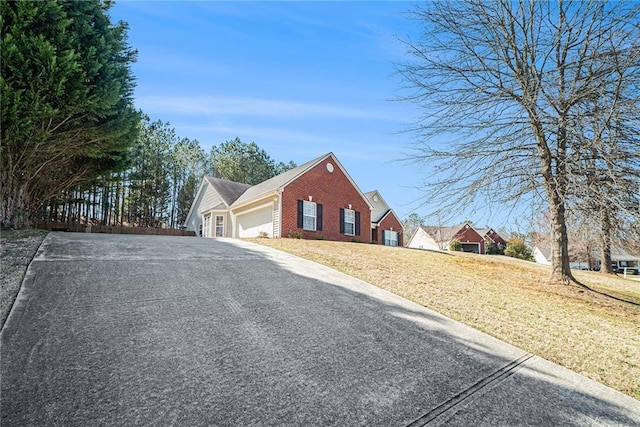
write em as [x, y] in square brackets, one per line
[151, 330]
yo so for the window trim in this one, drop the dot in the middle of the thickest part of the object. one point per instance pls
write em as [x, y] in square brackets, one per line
[306, 203]
[386, 239]
[206, 225]
[217, 226]
[347, 222]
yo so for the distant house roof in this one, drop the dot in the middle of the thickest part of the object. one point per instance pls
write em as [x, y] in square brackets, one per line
[229, 191]
[483, 231]
[442, 234]
[489, 233]
[620, 255]
[546, 252]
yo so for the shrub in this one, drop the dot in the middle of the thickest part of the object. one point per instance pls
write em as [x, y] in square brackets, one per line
[321, 238]
[356, 240]
[294, 234]
[493, 249]
[516, 248]
[455, 245]
[263, 235]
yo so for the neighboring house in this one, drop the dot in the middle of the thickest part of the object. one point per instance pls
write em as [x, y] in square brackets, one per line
[491, 237]
[438, 238]
[621, 260]
[315, 200]
[386, 228]
[542, 255]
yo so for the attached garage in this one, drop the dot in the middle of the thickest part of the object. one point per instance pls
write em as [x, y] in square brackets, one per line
[471, 247]
[255, 221]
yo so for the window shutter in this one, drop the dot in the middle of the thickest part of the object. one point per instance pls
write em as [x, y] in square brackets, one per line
[319, 217]
[384, 237]
[300, 214]
[341, 220]
[357, 223]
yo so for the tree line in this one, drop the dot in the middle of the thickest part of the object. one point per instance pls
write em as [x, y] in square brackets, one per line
[158, 186]
[73, 146]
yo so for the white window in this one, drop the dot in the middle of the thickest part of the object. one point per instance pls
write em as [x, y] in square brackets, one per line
[309, 216]
[206, 226]
[390, 238]
[349, 222]
[219, 226]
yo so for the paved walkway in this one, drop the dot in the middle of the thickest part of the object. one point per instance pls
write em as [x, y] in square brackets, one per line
[151, 330]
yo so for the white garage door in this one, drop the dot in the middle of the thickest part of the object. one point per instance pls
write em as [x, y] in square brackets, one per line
[253, 223]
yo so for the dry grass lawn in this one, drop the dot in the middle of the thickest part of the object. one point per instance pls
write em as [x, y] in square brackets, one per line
[512, 300]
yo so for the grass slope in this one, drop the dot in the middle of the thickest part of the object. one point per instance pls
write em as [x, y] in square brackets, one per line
[512, 300]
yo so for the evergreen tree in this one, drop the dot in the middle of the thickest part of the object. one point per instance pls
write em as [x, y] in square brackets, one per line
[246, 163]
[67, 115]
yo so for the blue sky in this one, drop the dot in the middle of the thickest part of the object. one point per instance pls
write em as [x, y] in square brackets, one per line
[299, 79]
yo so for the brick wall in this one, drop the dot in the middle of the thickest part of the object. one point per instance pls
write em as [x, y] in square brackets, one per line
[470, 235]
[334, 191]
[389, 222]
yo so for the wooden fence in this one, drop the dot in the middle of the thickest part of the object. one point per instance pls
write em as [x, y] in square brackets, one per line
[110, 229]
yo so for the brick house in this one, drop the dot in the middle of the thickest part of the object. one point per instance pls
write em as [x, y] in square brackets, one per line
[386, 228]
[315, 200]
[491, 237]
[438, 238]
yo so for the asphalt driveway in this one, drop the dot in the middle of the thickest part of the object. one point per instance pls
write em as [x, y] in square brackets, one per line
[152, 330]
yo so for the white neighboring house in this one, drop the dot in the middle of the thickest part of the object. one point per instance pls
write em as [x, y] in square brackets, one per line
[420, 239]
[542, 255]
[438, 238]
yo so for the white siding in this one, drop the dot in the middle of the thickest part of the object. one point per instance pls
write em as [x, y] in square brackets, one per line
[379, 207]
[206, 200]
[421, 240]
[210, 199]
[255, 221]
[276, 217]
[539, 257]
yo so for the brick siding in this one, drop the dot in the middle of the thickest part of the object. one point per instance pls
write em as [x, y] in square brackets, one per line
[333, 190]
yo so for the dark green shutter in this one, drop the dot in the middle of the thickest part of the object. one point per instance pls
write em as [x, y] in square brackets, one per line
[319, 217]
[342, 220]
[384, 237]
[300, 214]
[357, 223]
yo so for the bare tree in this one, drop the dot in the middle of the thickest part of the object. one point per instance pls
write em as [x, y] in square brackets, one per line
[500, 84]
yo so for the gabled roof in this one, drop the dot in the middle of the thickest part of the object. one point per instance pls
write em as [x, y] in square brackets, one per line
[486, 233]
[386, 214]
[229, 191]
[370, 195]
[445, 234]
[280, 181]
[273, 184]
[483, 231]
[546, 252]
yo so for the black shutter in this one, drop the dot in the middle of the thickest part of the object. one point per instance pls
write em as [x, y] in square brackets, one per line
[342, 220]
[300, 214]
[384, 237]
[357, 223]
[319, 217]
